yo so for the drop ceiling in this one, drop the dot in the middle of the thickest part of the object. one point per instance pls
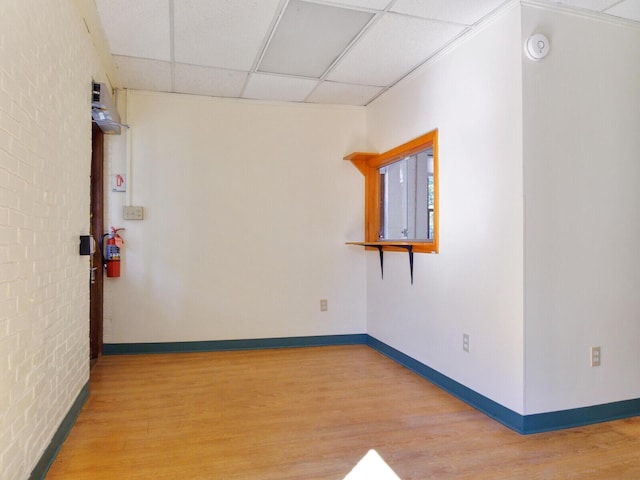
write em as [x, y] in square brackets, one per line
[316, 51]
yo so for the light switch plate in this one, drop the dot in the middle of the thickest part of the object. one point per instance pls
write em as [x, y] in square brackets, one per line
[133, 213]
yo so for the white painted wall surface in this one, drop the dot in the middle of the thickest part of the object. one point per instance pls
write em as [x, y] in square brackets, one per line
[473, 96]
[582, 189]
[247, 208]
[47, 63]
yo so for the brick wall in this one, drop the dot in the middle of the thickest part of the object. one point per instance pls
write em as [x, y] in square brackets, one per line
[47, 63]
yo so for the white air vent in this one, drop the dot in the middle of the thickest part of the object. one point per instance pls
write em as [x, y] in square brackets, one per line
[104, 111]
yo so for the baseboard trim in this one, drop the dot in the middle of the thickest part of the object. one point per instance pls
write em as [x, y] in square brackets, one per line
[223, 345]
[50, 453]
[493, 409]
[578, 417]
[523, 424]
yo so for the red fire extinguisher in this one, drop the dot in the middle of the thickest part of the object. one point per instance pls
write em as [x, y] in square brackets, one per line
[111, 254]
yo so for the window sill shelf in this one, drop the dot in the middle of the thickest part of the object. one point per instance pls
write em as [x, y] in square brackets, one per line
[383, 245]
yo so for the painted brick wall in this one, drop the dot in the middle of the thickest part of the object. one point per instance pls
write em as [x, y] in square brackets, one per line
[47, 62]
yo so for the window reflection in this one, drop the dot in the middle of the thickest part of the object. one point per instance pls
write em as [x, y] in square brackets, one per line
[407, 198]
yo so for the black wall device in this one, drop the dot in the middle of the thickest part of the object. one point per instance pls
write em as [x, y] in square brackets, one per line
[85, 245]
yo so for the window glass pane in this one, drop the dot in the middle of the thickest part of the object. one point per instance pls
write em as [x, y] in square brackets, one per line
[406, 198]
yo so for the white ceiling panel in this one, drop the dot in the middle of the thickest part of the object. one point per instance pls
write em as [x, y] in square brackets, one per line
[392, 48]
[213, 47]
[628, 9]
[279, 88]
[465, 12]
[209, 81]
[365, 4]
[310, 37]
[222, 33]
[139, 28]
[597, 5]
[343, 93]
[143, 74]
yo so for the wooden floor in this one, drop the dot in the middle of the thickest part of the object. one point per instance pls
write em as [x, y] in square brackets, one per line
[310, 413]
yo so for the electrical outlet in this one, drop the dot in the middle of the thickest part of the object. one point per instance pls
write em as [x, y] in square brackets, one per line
[465, 342]
[324, 305]
[595, 356]
[132, 213]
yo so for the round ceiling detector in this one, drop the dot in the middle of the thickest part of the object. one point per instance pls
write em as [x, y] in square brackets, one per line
[537, 46]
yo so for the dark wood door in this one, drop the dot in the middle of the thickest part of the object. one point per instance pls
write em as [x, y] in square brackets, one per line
[96, 231]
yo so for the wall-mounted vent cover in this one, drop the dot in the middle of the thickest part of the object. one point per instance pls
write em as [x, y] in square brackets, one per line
[103, 110]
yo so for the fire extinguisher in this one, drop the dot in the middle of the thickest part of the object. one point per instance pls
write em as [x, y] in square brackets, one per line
[111, 255]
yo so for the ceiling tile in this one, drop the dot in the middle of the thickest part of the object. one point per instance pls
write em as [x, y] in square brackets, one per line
[275, 87]
[343, 93]
[224, 34]
[136, 29]
[597, 5]
[310, 37]
[365, 4]
[142, 74]
[628, 9]
[210, 81]
[392, 48]
[218, 42]
[465, 12]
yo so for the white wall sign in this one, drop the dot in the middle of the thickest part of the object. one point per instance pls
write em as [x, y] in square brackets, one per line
[118, 182]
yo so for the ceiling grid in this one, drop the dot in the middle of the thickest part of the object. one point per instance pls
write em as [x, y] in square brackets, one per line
[314, 51]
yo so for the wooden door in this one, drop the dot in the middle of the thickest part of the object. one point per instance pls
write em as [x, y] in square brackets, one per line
[96, 231]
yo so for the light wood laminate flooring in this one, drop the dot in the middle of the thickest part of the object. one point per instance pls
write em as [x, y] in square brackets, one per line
[310, 413]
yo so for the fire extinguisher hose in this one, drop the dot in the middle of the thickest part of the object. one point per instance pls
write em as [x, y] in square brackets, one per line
[102, 256]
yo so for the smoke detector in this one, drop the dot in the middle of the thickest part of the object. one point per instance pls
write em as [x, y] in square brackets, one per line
[537, 46]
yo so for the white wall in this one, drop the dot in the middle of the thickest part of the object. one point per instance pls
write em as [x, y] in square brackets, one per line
[205, 266]
[248, 206]
[473, 96]
[582, 187]
[47, 63]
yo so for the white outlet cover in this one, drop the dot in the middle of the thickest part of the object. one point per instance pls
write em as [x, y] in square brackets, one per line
[324, 305]
[465, 342]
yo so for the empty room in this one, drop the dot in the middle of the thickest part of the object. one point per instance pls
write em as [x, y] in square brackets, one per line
[319, 239]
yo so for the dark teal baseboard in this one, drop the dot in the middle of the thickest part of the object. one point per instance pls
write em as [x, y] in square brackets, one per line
[49, 455]
[577, 417]
[524, 424]
[222, 345]
[493, 409]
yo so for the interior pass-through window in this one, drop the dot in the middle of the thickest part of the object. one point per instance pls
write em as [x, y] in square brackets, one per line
[401, 195]
[407, 198]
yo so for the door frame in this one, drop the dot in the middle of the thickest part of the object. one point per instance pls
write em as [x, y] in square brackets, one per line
[96, 297]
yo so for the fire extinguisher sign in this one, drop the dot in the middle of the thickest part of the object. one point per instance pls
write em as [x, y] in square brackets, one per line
[118, 182]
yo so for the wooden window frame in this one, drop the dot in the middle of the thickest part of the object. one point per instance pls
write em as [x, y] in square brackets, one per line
[369, 165]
